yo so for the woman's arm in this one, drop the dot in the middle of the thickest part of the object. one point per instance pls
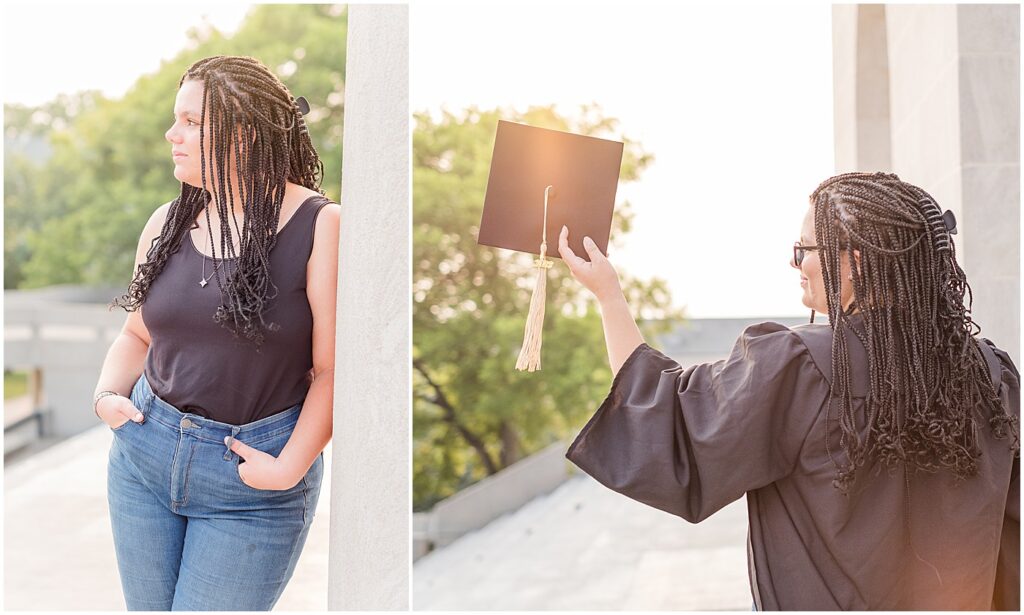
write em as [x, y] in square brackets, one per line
[621, 333]
[314, 428]
[122, 367]
[126, 356]
[690, 441]
[316, 421]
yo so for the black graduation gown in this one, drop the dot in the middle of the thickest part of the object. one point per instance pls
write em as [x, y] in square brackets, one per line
[690, 441]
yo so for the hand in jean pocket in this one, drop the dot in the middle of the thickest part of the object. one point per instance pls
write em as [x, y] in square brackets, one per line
[117, 410]
[261, 470]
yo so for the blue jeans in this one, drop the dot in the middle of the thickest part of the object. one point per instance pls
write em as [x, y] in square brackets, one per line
[188, 533]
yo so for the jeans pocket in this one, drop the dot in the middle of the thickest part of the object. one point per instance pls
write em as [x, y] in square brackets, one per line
[311, 488]
[238, 476]
[271, 446]
[121, 426]
[248, 487]
[133, 397]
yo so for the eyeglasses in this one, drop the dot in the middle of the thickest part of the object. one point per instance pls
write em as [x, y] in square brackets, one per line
[798, 252]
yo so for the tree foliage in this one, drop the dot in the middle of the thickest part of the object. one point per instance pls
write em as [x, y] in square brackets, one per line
[83, 173]
[473, 413]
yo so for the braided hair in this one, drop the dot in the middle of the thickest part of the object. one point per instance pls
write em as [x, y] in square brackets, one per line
[929, 382]
[253, 115]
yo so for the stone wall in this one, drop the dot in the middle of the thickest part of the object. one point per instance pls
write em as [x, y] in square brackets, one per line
[945, 81]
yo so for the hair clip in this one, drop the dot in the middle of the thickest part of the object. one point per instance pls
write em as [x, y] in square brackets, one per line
[950, 221]
[302, 104]
[943, 225]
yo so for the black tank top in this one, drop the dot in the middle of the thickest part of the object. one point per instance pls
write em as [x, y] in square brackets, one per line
[198, 366]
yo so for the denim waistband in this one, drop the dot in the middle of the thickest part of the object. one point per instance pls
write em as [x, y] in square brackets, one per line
[157, 409]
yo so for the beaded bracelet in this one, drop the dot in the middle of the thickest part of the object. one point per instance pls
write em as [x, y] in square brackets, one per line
[96, 401]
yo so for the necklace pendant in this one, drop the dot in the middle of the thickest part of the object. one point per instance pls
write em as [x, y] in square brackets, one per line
[202, 282]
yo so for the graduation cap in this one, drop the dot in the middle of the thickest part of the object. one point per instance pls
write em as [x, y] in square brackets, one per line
[540, 180]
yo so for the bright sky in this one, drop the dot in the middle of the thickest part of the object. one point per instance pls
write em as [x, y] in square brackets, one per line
[735, 103]
[52, 48]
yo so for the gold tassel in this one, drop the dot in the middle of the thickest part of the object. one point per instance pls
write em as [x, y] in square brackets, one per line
[529, 355]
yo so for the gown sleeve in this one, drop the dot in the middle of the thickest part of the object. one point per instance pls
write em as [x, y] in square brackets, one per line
[690, 441]
[1006, 593]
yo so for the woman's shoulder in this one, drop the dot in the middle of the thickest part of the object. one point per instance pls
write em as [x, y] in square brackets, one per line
[155, 223]
[327, 214]
[768, 336]
[815, 336]
[300, 194]
[818, 339]
[770, 333]
[769, 339]
[159, 215]
[327, 219]
[326, 230]
[1001, 366]
[313, 204]
[778, 343]
[318, 202]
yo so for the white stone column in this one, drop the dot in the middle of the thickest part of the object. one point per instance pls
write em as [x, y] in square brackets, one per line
[955, 74]
[989, 102]
[924, 99]
[370, 506]
[860, 75]
[953, 98]
[844, 85]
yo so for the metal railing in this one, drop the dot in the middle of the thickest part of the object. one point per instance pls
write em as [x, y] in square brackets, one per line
[25, 430]
[62, 333]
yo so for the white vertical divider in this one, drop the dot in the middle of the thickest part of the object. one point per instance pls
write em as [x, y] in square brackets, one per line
[370, 504]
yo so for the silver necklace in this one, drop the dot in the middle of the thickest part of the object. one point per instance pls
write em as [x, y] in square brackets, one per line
[204, 281]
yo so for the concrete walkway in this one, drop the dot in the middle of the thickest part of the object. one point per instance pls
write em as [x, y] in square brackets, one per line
[585, 547]
[58, 549]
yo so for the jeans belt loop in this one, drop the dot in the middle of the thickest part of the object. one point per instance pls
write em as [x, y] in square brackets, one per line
[234, 432]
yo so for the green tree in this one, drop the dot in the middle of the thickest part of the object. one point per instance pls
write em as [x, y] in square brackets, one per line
[473, 413]
[83, 173]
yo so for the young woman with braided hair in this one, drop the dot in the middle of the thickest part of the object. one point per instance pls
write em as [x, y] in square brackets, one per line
[804, 420]
[220, 395]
